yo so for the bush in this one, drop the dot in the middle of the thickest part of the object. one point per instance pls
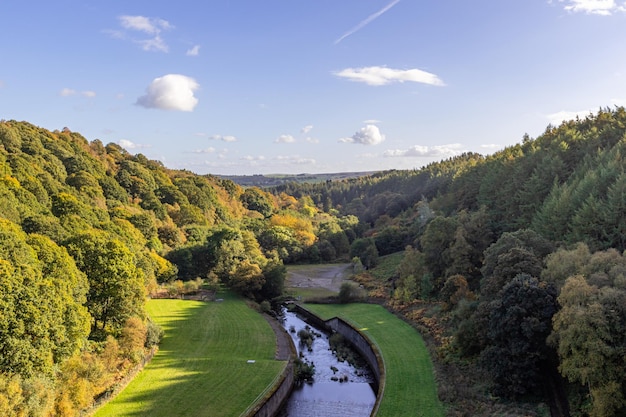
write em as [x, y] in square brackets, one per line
[303, 371]
[347, 293]
[154, 334]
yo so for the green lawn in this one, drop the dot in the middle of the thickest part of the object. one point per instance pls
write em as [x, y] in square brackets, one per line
[201, 367]
[410, 388]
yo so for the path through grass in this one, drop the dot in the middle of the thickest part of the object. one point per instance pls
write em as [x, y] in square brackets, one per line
[201, 367]
[410, 388]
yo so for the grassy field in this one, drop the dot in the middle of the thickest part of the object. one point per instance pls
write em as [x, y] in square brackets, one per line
[201, 367]
[410, 388]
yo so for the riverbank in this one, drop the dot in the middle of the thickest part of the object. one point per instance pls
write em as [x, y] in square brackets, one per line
[409, 386]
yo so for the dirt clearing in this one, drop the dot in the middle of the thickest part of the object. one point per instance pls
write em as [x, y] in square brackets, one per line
[327, 276]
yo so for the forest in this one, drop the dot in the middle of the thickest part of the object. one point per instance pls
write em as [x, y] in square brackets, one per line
[518, 259]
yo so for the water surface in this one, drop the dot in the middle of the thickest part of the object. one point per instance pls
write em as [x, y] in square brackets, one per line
[324, 396]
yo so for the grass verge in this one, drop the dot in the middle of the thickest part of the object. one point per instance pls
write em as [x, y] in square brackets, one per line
[201, 367]
[410, 388]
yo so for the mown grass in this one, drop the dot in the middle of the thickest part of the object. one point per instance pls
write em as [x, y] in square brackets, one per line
[201, 367]
[410, 388]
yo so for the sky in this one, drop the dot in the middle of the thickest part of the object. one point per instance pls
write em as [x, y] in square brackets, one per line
[243, 87]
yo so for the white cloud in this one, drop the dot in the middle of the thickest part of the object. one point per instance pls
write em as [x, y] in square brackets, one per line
[367, 21]
[170, 92]
[490, 146]
[153, 44]
[207, 150]
[195, 51]
[306, 129]
[368, 135]
[67, 92]
[563, 115]
[225, 138]
[128, 145]
[599, 7]
[382, 76]
[148, 25]
[312, 140]
[285, 139]
[426, 151]
[253, 158]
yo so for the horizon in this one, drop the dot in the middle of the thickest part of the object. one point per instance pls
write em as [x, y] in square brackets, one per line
[247, 88]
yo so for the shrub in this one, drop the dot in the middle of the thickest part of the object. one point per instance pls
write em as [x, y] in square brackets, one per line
[154, 334]
[347, 293]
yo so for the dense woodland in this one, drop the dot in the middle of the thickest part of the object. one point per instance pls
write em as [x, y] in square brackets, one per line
[521, 253]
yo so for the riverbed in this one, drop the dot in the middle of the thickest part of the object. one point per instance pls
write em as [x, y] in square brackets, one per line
[326, 395]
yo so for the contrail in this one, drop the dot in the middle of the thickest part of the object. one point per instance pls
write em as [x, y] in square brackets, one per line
[367, 21]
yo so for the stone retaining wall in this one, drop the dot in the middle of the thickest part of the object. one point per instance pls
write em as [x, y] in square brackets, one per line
[363, 345]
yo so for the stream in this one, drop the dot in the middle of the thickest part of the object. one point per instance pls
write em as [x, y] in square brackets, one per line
[325, 395]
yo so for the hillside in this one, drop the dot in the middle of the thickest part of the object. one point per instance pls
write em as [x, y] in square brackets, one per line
[512, 265]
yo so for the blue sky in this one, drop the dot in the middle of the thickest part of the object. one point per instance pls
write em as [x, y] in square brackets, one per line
[308, 86]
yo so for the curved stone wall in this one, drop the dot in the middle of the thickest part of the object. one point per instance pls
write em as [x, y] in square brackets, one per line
[366, 347]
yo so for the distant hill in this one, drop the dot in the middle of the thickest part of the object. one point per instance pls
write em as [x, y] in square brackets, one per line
[273, 180]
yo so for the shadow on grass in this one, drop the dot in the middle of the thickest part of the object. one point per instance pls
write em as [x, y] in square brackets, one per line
[201, 367]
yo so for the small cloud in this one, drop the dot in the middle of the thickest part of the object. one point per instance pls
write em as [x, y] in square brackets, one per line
[598, 7]
[195, 51]
[377, 76]
[559, 117]
[202, 151]
[148, 25]
[306, 129]
[418, 151]
[170, 92]
[144, 24]
[368, 135]
[372, 121]
[67, 92]
[226, 138]
[253, 158]
[128, 145]
[285, 139]
[490, 146]
[154, 44]
[312, 140]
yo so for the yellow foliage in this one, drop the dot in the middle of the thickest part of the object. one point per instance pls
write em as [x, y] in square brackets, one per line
[10, 182]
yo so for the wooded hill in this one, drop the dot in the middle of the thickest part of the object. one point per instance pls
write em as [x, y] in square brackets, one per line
[521, 252]
[87, 231]
[524, 250]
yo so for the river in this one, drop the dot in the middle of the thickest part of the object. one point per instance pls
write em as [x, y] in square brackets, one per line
[326, 396]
